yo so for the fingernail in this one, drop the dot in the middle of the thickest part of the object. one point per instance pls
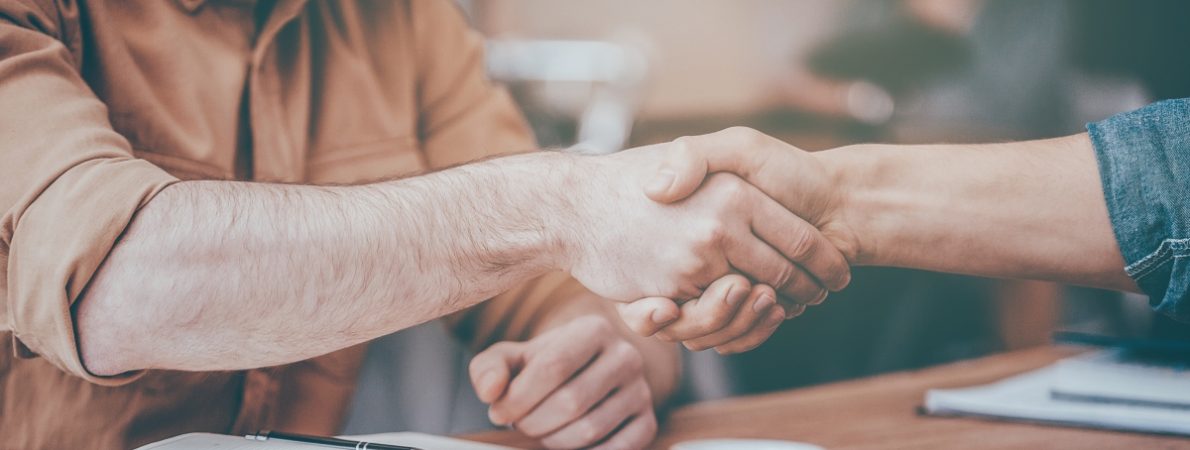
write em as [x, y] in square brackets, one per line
[795, 311]
[764, 302]
[821, 298]
[846, 281]
[663, 316]
[735, 295]
[495, 417]
[661, 182]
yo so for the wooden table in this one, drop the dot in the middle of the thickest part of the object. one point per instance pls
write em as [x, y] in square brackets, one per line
[881, 413]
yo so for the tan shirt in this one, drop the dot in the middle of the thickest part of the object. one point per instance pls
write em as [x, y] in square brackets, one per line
[104, 103]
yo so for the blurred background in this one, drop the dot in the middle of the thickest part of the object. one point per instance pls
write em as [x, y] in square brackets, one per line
[603, 76]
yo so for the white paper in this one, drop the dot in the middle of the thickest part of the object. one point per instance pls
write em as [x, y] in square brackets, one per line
[1027, 397]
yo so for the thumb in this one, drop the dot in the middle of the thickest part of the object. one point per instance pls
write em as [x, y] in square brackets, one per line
[647, 316]
[689, 160]
[491, 370]
[679, 175]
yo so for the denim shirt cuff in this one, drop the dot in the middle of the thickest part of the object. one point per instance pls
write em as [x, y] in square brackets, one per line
[1144, 164]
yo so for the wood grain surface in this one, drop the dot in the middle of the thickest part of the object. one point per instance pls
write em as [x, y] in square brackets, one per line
[882, 413]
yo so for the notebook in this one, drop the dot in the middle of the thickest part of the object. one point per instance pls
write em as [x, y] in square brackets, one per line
[1124, 377]
[1109, 396]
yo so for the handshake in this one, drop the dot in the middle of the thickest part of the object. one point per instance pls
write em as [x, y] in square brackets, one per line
[713, 240]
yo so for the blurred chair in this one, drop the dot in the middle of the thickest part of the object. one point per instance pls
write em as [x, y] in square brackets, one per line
[596, 84]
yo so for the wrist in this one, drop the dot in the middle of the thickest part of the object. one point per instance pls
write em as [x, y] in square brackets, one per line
[561, 214]
[854, 172]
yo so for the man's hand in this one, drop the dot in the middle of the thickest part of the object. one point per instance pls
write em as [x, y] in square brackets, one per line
[626, 246]
[576, 386]
[731, 316]
[795, 179]
[791, 176]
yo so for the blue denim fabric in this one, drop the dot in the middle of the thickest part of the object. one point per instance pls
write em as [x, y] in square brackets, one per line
[1144, 162]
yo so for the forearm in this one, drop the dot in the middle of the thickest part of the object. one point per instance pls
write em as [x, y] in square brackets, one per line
[1018, 210]
[215, 275]
[663, 366]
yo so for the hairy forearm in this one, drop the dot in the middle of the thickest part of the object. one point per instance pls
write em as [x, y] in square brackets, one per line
[1017, 210]
[216, 275]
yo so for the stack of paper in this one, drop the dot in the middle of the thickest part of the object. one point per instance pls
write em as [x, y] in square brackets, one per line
[1107, 389]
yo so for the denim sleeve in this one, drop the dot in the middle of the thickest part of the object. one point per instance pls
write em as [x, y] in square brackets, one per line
[1144, 162]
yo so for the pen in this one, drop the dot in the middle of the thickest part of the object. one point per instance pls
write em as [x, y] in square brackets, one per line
[324, 441]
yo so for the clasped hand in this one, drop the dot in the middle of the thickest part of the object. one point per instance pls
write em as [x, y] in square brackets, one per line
[746, 235]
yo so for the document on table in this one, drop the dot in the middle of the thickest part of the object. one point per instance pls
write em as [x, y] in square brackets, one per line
[210, 441]
[1030, 397]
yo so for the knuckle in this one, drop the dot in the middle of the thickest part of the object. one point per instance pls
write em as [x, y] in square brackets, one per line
[555, 369]
[727, 185]
[499, 347]
[629, 357]
[569, 402]
[707, 235]
[785, 276]
[596, 325]
[764, 289]
[586, 432]
[690, 267]
[746, 136]
[742, 132]
[803, 247]
[683, 146]
[645, 395]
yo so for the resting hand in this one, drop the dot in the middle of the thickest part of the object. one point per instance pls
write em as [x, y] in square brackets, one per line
[576, 386]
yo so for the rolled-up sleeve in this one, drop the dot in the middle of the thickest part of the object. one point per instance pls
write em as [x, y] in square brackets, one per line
[1144, 163]
[69, 184]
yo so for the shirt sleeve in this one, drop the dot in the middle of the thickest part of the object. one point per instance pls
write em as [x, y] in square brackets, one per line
[69, 184]
[1144, 164]
[464, 117]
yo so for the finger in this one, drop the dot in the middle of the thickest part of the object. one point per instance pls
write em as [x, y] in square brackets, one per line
[803, 290]
[647, 316]
[543, 373]
[757, 336]
[690, 159]
[605, 418]
[491, 369]
[757, 259]
[752, 315]
[800, 242]
[791, 309]
[610, 369]
[711, 312]
[636, 434]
